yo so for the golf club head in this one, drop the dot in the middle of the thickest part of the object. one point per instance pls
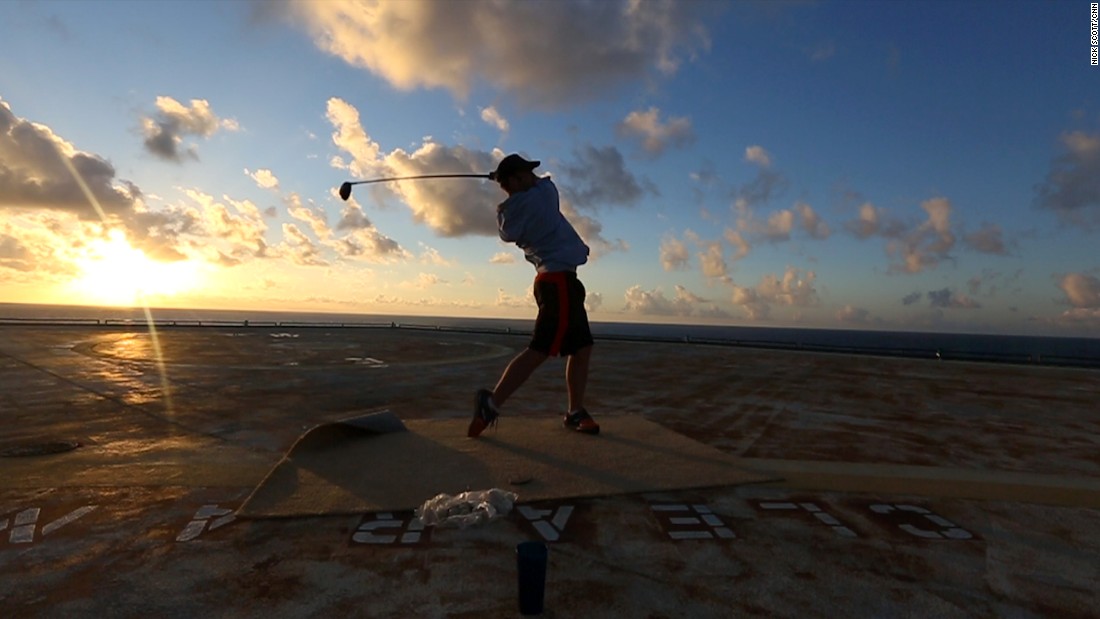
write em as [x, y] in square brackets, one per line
[345, 191]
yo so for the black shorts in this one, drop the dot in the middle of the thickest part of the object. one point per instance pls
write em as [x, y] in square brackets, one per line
[562, 324]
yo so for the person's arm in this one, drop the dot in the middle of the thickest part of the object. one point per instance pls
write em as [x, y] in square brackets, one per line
[511, 219]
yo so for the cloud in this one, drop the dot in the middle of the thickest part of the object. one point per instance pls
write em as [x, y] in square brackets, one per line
[1082, 291]
[591, 232]
[1072, 187]
[362, 240]
[39, 169]
[655, 137]
[493, 118]
[263, 178]
[867, 223]
[581, 50]
[164, 131]
[711, 261]
[503, 258]
[431, 256]
[926, 245]
[947, 298]
[823, 52]
[989, 239]
[811, 222]
[738, 242]
[767, 182]
[756, 154]
[850, 314]
[674, 254]
[300, 248]
[911, 298]
[794, 289]
[598, 177]
[655, 303]
[593, 301]
[450, 207]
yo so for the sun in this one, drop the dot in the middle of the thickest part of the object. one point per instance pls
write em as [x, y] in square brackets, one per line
[112, 272]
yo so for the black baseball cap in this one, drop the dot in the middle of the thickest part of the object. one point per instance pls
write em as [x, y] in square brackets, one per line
[511, 164]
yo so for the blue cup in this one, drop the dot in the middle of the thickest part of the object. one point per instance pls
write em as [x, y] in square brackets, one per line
[531, 566]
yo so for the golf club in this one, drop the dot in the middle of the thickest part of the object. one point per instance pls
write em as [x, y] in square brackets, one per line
[345, 189]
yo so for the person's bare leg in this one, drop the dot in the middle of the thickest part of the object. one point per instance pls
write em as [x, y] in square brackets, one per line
[576, 377]
[517, 372]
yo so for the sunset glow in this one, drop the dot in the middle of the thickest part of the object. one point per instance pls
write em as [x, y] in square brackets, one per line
[114, 273]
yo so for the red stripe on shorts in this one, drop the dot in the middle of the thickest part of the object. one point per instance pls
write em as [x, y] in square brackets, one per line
[558, 279]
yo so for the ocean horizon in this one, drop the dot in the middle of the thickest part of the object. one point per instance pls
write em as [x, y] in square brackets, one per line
[1031, 349]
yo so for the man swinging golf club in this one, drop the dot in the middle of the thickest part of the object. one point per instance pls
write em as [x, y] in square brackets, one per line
[531, 218]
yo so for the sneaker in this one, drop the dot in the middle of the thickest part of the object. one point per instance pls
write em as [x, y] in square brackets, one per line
[484, 415]
[581, 421]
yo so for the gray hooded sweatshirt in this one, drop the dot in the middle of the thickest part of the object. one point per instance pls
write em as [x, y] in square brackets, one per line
[533, 221]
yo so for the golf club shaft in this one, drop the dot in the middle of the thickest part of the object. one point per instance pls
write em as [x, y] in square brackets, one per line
[410, 178]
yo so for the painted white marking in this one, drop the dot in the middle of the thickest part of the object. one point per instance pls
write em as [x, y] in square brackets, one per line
[531, 513]
[913, 508]
[191, 531]
[957, 533]
[879, 508]
[684, 520]
[724, 533]
[3, 524]
[919, 532]
[668, 507]
[384, 516]
[410, 537]
[943, 522]
[67, 518]
[810, 507]
[845, 532]
[209, 511]
[690, 535]
[365, 534]
[546, 530]
[27, 516]
[712, 520]
[701, 509]
[221, 522]
[778, 506]
[827, 519]
[562, 517]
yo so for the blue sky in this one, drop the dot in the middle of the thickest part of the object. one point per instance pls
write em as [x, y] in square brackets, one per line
[871, 165]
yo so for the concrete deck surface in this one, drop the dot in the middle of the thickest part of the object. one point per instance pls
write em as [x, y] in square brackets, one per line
[912, 488]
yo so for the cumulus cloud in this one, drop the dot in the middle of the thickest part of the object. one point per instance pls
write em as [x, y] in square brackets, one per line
[263, 178]
[593, 301]
[929, 243]
[582, 50]
[674, 254]
[503, 258]
[361, 239]
[655, 136]
[947, 298]
[740, 245]
[766, 184]
[711, 261]
[493, 118]
[867, 223]
[1081, 290]
[811, 222]
[1072, 187]
[850, 314]
[598, 177]
[655, 303]
[794, 289]
[164, 131]
[989, 239]
[591, 232]
[911, 298]
[39, 169]
[300, 248]
[756, 154]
